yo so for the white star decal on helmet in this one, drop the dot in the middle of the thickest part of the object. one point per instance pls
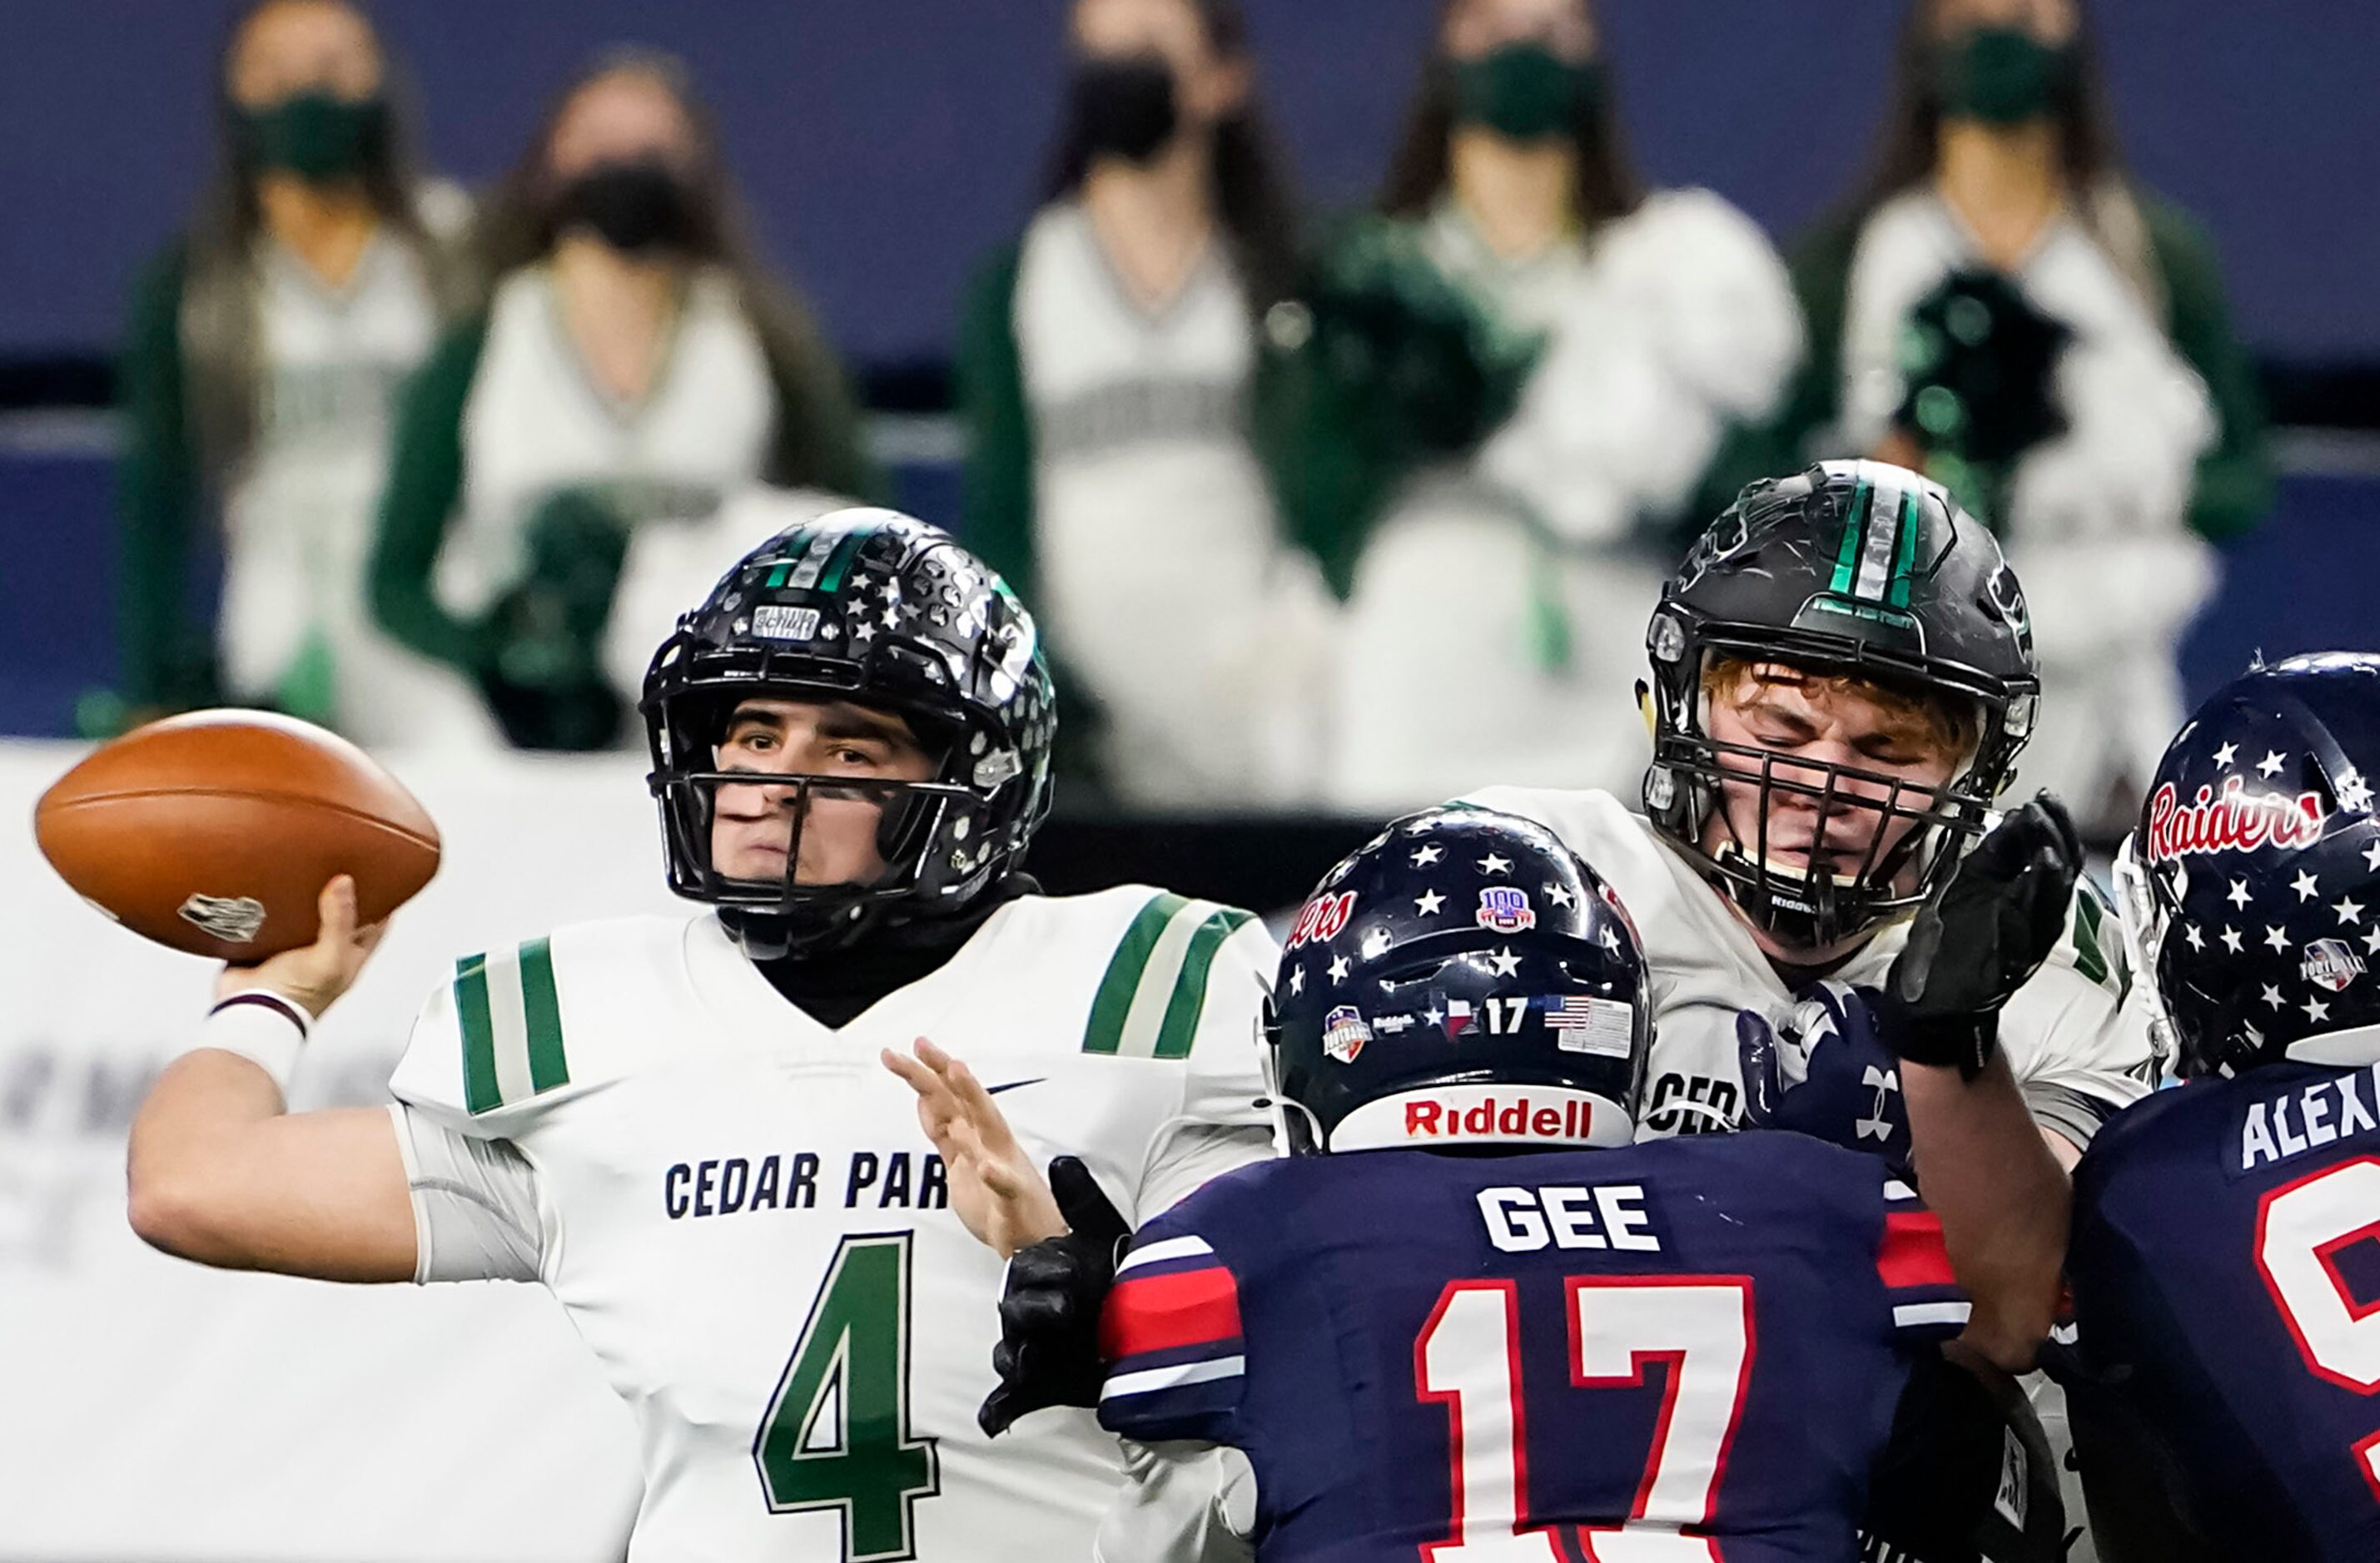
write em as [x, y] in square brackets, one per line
[2303, 884]
[2272, 996]
[1338, 969]
[2315, 1010]
[1495, 863]
[2276, 937]
[1427, 903]
[2232, 941]
[2237, 894]
[1426, 856]
[2190, 932]
[2349, 911]
[1504, 963]
[1560, 895]
[1297, 979]
[2224, 756]
[2354, 794]
[2270, 766]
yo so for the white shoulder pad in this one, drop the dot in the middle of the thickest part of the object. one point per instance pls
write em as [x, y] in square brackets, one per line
[519, 1029]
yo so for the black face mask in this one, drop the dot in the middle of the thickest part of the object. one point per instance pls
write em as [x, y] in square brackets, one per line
[1125, 106]
[320, 136]
[635, 208]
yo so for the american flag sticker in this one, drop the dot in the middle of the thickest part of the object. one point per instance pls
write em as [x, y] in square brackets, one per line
[1581, 1024]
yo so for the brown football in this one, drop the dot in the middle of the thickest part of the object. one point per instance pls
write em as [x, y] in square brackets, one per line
[214, 832]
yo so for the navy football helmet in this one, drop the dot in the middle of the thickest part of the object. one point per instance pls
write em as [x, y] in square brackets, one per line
[2252, 887]
[1463, 979]
[883, 611]
[1851, 568]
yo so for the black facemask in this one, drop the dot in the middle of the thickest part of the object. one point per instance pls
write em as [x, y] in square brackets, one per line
[1125, 106]
[634, 207]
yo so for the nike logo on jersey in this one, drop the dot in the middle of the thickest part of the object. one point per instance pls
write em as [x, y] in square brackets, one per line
[1012, 1084]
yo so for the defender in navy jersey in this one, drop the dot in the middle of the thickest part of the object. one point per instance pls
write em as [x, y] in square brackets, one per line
[2225, 1263]
[1508, 1328]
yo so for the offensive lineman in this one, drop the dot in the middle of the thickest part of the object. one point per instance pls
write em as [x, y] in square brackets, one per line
[1843, 676]
[681, 1127]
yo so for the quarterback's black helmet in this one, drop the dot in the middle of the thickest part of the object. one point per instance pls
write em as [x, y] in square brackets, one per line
[1858, 568]
[1463, 979]
[881, 610]
[2253, 884]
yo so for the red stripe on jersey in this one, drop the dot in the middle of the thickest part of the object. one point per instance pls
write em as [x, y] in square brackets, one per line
[1159, 1313]
[1913, 1253]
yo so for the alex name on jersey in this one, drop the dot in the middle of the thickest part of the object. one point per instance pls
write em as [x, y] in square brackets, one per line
[1661, 1343]
[745, 1223]
[2226, 1270]
[2078, 1051]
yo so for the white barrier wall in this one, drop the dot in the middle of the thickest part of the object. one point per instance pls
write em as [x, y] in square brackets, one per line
[151, 1410]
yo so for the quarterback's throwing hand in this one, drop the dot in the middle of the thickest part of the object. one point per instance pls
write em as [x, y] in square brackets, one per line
[314, 975]
[1000, 1196]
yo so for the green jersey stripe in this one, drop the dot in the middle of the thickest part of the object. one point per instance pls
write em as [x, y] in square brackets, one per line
[479, 1091]
[1189, 1000]
[541, 1016]
[1159, 977]
[1112, 1003]
[2089, 959]
[509, 1024]
[1847, 555]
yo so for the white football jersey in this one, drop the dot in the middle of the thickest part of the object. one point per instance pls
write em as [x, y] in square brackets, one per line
[2078, 1054]
[743, 1218]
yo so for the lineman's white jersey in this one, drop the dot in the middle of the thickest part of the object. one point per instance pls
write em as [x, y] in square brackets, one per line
[740, 1212]
[2076, 1050]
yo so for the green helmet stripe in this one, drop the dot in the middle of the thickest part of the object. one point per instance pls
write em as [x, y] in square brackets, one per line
[1876, 547]
[1847, 556]
[844, 553]
[1905, 553]
[791, 550]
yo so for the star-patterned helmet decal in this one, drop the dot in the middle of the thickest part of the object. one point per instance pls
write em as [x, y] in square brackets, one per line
[2261, 856]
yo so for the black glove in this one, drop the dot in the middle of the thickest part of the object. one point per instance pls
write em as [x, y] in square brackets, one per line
[1982, 937]
[1967, 1474]
[1049, 1351]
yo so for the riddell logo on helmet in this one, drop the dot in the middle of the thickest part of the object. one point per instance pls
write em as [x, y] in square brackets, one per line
[2234, 821]
[1517, 1119]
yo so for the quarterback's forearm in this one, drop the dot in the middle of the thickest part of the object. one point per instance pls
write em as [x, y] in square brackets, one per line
[1988, 1172]
[219, 1172]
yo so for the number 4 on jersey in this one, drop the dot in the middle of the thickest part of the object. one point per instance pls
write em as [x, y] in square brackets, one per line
[836, 1435]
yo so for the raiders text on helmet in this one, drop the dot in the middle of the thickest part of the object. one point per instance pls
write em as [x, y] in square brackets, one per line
[883, 611]
[1851, 567]
[2253, 884]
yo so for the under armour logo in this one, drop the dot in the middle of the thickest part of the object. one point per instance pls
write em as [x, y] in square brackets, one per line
[1884, 1082]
